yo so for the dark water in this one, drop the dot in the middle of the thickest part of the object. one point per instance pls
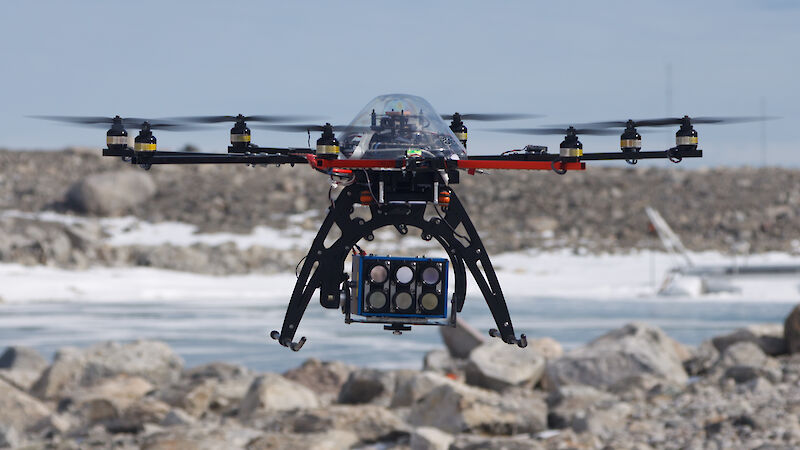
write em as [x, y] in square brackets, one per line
[238, 333]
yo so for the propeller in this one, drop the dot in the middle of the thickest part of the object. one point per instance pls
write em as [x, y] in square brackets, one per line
[304, 128]
[128, 122]
[240, 117]
[669, 121]
[490, 117]
[555, 130]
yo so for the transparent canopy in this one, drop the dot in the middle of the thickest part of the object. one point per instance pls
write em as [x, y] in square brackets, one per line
[396, 125]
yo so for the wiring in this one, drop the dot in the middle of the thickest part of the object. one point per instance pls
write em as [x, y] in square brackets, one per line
[438, 213]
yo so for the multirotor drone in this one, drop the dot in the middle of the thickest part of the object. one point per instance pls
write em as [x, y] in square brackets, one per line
[397, 161]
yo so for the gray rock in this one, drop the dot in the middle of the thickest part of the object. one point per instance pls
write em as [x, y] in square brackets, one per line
[368, 386]
[107, 399]
[9, 437]
[21, 366]
[768, 336]
[603, 420]
[152, 360]
[440, 360]
[496, 365]
[271, 392]
[461, 339]
[111, 193]
[18, 410]
[702, 359]
[323, 377]
[634, 349]
[370, 423]
[570, 403]
[546, 346]
[745, 361]
[194, 397]
[457, 408]
[24, 358]
[521, 442]
[428, 438]
[411, 390]
[791, 330]
[220, 371]
[178, 417]
[330, 440]
[223, 437]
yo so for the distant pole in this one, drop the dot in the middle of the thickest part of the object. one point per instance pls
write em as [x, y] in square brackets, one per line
[668, 96]
[763, 132]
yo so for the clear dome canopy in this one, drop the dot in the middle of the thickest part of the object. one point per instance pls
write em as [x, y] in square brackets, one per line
[396, 125]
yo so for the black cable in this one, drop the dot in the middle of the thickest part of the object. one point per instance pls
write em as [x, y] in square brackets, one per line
[297, 267]
[360, 249]
[436, 208]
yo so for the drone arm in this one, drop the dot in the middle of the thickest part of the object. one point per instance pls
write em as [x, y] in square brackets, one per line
[291, 156]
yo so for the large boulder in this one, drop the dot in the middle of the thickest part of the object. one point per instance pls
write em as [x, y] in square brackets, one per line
[21, 366]
[111, 193]
[457, 408]
[496, 365]
[411, 390]
[271, 392]
[791, 330]
[768, 336]
[635, 349]
[461, 339]
[152, 360]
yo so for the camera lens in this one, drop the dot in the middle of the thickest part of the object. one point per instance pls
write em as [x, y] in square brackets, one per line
[403, 300]
[430, 301]
[378, 274]
[376, 299]
[404, 275]
[430, 275]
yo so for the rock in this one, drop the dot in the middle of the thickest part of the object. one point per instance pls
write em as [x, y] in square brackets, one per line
[21, 366]
[271, 392]
[219, 371]
[457, 408]
[745, 361]
[634, 349]
[177, 417]
[368, 386]
[224, 384]
[331, 440]
[52, 425]
[224, 437]
[702, 359]
[107, 399]
[546, 346]
[370, 423]
[496, 365]
[111, 193]
[428, 438]
[569, 403]
[769, 337]
[194, 396]
[461, 339]
[18, 410]
[411, 390]
[151, 360]
[324, 378]
[791, 330]
[134, 419]
[521, 442]
[604, 420]
[9, 438]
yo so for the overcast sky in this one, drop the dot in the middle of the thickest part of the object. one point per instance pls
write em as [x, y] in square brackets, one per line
[572, 61]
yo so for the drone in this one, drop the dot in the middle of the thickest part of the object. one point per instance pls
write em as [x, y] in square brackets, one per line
[397, 161]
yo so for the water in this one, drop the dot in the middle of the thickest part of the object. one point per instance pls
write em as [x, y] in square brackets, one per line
[237, 332]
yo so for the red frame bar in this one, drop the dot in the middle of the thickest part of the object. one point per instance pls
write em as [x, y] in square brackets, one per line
[471, 165]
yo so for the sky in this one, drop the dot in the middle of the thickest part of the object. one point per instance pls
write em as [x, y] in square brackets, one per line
[572, 61]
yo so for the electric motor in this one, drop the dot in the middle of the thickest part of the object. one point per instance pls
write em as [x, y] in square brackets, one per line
[145, 141]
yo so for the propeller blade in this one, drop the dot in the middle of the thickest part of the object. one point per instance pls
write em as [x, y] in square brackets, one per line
[671, 121]
[254, 118]
[554, 131]
[491, 117]
[303, 128]
[127, 122]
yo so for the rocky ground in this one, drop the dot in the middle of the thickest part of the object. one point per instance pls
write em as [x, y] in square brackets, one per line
[632, 388]
[601, 209]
